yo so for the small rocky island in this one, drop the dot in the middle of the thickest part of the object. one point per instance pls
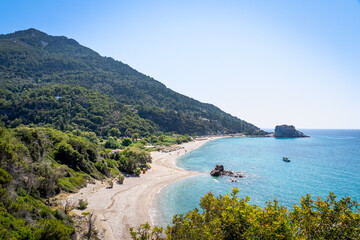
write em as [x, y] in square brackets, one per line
[220, 171]
[287, 131]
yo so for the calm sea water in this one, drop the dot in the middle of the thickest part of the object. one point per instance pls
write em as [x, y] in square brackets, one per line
[328, 161]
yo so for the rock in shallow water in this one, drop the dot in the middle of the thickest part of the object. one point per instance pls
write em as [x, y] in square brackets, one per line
[219, 171]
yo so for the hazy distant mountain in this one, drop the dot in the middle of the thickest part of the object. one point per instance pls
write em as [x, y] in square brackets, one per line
[32, 59]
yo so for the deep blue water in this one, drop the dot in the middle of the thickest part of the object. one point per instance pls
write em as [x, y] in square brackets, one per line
[328, 161]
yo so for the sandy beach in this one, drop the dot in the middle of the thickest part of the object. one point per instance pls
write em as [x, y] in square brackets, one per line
[127, 205]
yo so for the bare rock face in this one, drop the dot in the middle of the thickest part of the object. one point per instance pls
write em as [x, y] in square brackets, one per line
[287, 131]
[219, 171]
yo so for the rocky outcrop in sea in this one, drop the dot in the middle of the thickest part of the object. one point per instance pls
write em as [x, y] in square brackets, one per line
[220, 171]
[287, 131]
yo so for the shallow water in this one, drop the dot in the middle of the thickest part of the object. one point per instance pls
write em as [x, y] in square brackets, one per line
[328, 161]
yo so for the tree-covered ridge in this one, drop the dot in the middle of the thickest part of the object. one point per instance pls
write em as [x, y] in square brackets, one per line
[231, 217]
[70, 108]
[32, 59]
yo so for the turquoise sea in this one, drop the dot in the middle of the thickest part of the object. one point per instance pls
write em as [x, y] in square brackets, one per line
[328, 161]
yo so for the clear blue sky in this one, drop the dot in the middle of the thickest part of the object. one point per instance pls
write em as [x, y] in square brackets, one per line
[268, 62]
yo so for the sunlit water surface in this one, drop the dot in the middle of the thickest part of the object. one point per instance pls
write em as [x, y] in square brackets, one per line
[328, 161]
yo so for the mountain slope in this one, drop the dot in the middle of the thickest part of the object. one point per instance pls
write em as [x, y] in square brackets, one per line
[32, 59]
[67, 107]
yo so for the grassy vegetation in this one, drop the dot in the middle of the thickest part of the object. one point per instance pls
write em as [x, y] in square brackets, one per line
[73, 183]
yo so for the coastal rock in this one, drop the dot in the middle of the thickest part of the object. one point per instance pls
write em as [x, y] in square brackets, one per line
[287, 131]
[232, 174]
[219, 171]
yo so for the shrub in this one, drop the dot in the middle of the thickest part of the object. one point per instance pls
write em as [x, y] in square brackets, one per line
[153, 139]
[5, 177]
[53, 229]
[111, 183]
[229, 217]
[121, 178]
[137, 171]
[129, 159]
[82, 204]
[21, 192]
[143, 232]
[100, 166]
[127, 164]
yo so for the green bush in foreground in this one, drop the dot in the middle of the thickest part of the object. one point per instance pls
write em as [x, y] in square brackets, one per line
[137, 171]
[121, 178]
[25, 217]
[229, 217]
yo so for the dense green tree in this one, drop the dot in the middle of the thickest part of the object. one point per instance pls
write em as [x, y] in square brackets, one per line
[131, 158]
[127, 165]
[126, 142]
[114, 132]
[134, 137]
[112, 143]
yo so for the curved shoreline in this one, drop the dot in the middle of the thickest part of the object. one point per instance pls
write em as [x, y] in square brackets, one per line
[128, 205]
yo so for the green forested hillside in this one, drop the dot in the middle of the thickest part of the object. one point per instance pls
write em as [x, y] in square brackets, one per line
[67, 107]
[31, 59]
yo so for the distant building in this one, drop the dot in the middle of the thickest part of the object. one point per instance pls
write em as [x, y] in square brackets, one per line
[116, 150]
[149, 146]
